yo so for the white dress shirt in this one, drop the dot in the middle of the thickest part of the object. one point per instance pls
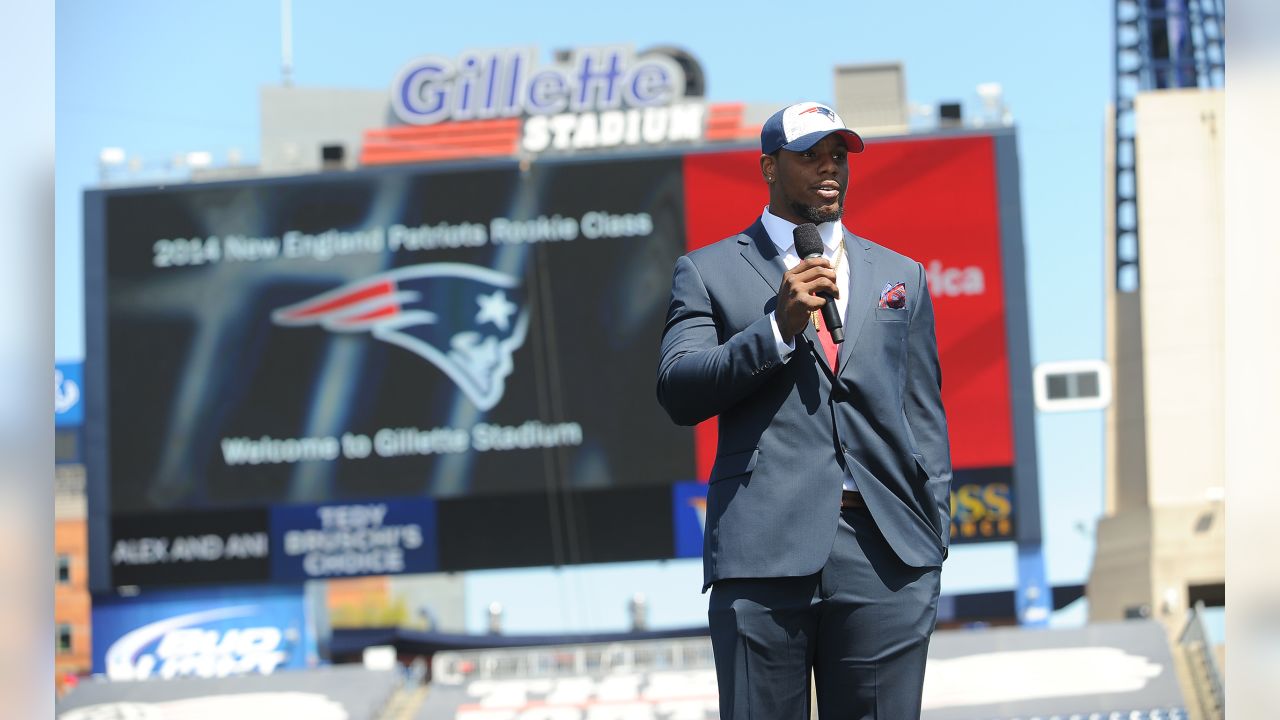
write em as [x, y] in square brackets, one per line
[780, 232]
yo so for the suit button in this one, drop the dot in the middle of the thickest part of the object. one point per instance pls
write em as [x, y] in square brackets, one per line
[844, 448]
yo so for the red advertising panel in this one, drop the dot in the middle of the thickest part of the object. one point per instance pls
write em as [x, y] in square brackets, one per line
[934, 200]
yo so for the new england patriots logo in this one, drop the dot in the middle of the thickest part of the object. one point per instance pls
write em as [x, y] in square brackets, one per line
[821, 110]
[465, 319]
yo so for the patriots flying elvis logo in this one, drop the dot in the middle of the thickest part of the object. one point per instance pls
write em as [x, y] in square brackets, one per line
[825, 112]
[465, 319]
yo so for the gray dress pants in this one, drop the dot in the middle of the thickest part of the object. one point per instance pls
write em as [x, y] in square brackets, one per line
[861, 625]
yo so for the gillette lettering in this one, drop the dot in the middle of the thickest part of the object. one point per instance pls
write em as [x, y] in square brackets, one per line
[590, 98]
[955, 282]
[177, 647]
[506, 83]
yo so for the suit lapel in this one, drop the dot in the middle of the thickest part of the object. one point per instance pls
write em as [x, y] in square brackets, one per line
[760, 251]
[862, 293]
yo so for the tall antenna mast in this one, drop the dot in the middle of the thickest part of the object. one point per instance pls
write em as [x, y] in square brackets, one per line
[286, 42]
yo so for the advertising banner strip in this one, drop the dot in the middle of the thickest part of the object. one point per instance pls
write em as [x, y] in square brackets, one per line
[982, 505]
[202, 633]
[982, 510]
[68, 405]
[189, 548]
[689, 517]
[310, 542]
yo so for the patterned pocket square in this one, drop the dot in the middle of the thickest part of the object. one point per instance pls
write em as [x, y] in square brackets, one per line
[894, 295]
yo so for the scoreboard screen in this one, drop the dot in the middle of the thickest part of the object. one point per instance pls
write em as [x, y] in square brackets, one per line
[452, 366]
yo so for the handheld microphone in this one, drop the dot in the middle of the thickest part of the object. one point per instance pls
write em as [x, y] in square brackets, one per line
[808, 245]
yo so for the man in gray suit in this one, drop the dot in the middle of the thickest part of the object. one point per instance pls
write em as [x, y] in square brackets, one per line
[828, 509]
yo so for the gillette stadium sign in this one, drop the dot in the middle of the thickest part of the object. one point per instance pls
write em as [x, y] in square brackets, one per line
[595, 97]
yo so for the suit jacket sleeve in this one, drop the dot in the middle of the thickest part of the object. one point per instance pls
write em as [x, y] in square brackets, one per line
[699, 376]
[925, 415]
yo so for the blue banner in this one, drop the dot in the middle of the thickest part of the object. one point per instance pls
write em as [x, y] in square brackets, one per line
[68, 386]
[350, 539]
[689, 517]
[1035, 595]
[202, 633]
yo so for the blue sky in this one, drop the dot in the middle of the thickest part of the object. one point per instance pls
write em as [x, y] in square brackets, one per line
[159, 78]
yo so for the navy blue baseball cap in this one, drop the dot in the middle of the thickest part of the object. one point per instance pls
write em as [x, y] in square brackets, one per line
[799, 127]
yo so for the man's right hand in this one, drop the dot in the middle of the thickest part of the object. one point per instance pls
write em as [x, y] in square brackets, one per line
[797, 297]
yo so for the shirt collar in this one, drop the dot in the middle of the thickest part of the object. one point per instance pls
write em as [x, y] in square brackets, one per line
[780, 232]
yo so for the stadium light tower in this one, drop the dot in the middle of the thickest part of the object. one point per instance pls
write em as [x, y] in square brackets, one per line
[109, 158]
[199, 159]
[1159, 44]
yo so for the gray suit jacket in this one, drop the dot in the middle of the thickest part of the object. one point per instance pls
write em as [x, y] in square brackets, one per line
[789, 431]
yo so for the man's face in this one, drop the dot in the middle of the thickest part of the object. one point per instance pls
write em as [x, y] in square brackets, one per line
[808, 186]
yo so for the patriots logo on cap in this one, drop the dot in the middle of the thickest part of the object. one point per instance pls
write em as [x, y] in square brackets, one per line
[465, 319]
[821, 110]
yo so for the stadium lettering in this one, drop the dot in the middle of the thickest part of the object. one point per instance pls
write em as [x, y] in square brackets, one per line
[614, 128]
[531, 434]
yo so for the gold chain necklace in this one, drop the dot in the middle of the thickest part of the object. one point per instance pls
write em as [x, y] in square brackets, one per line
[813, 314]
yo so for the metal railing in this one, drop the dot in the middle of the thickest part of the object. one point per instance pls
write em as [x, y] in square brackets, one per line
[455, 667]
[1206, 676]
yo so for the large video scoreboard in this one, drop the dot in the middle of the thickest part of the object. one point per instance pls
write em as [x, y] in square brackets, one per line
[452, 366]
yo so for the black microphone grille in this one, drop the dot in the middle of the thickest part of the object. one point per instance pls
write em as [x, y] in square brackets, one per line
[808, 241]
